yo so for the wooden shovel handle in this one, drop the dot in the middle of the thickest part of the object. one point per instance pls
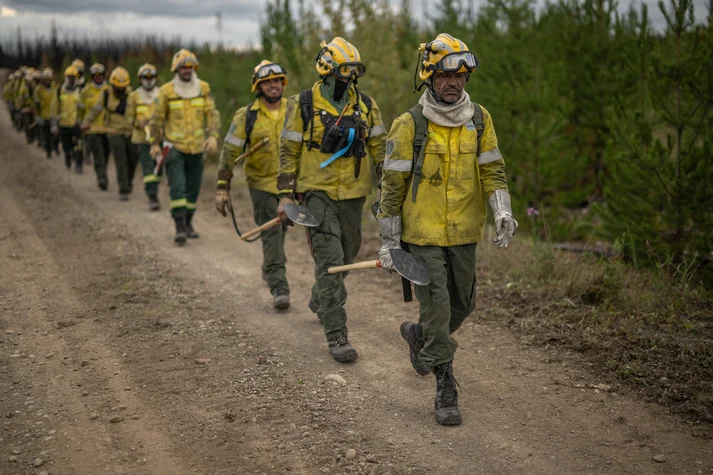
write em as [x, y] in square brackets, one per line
[264, 227]
[356, 266]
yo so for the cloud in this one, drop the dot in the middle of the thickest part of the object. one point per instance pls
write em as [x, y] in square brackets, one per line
[155, 8]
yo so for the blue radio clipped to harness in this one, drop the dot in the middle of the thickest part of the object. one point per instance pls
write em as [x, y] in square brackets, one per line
[340, 153]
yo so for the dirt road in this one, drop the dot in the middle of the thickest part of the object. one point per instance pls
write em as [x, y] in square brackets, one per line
[102, 319]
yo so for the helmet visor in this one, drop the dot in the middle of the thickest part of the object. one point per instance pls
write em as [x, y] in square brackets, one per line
[148, 73]
[270, 70]
[347, 70]
[455, 61]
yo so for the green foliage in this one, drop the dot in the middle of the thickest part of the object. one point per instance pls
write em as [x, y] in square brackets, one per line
[660, 196]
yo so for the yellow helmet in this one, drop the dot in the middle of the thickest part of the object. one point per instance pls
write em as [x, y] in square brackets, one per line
[96, 68]
[47, 73]
[79, 66]
[147, 70]
[339, 58]
[184, 58]
[445, 54]
[71, 71]
[267, 70]
[119, 77]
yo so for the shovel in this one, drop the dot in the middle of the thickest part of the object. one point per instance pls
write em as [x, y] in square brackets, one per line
[405, 264]
[297, 213]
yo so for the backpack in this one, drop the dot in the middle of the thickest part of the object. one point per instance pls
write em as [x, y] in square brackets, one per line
[250, 119]
[307, 112]
[421, 137]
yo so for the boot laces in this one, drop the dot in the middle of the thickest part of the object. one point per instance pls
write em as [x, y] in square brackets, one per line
[449, 395]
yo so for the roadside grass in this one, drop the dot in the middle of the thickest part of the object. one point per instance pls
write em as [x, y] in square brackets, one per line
[651, 330]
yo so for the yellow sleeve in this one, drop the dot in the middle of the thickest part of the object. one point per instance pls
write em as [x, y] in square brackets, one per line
[37, 100]
[158, 118]
[92, 113]
[81, 105]
[212, 116]
[398, 165]
[54, 106]
[233, 147]
[490, 160]
[131, 110]
[376, 142]
[290, 147]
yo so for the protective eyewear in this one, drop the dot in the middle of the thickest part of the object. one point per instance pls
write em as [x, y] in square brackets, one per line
[94, 71]
[455, 61]
[348, 70]
[148, 74]
[270, 70]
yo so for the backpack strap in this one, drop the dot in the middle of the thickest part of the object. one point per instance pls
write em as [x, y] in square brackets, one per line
[367, 102]
[307, 112]
[250, 119]
[419, 145]
[479, 125]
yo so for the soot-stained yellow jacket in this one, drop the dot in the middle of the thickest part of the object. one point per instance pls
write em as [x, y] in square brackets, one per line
[88, 98]
[109, 106]
[455, 184]
[185, 121]
[300, 167]
[139, 110]
[43, 100]
[64, 107]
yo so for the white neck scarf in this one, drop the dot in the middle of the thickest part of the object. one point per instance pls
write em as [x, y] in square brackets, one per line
[447, 115]
[187, 89]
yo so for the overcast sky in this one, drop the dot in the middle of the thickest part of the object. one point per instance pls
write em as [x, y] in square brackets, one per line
[189, 19]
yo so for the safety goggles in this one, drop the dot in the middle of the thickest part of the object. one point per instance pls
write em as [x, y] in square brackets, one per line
[455, 61]
[148, 74]
[96, 70]
[348, 70]
[270, 70]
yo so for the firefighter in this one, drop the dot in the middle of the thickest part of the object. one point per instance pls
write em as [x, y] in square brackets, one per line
[44, 92]
[331, 130]
[138, 114]
[65, 119]
[186, 117]
[442, 165]
[260, 119]
[94, 136]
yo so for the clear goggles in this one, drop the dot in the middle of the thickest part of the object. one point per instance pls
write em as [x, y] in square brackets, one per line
[270, 70]
[455, 61]
[348, 70]
[96, 70]
[148, 74]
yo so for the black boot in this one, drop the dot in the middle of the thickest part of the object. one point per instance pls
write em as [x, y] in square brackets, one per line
[446, 402]
[413, 334]
[281, 299]
[341, 350]
[153, 203]
[180, 237]
[190, 232]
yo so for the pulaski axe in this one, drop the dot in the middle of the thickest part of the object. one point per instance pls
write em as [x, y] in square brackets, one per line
[299, 214]
[405, 264]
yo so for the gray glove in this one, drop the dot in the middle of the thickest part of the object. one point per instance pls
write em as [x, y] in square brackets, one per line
[505, 224]
[54, 130]
[390, 239]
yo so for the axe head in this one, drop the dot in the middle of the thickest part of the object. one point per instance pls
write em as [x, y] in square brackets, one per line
[301, 215]
[409, 267]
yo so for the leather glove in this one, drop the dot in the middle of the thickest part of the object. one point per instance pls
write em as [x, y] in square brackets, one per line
[505, 224]
[156, 151]
[85, 126]
[281, 209]
[211, 145]
[222, 201]
[390, 227]
[54, 130]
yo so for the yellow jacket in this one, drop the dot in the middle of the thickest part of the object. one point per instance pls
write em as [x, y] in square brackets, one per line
[455, 184]
[64, 107]
[260, 167]
[184, 121]
[114, 117]
[43, 100]
[88, 98]
[23, 97]
[300, 167]
[7, 92]
[139, 111]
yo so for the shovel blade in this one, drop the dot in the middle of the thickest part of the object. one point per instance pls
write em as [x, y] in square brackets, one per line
[301, 215]
[409, 267]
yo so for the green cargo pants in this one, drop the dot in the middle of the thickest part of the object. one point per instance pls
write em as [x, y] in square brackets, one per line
[71, 138]
[334, 243]
[447, 300]
[95, 147]
[185, 173]
[142, 150]
[124, 161]
[273, 240]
